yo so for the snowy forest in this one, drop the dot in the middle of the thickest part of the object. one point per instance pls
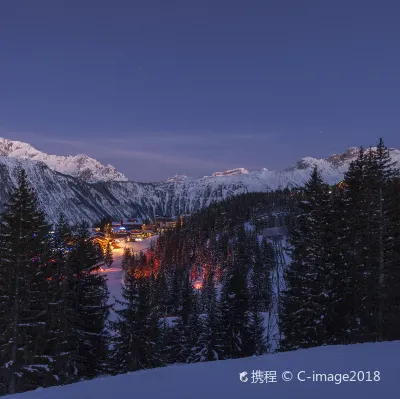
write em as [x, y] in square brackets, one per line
[205, 289]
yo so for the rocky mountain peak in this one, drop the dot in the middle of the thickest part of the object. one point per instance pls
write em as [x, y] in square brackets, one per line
[81, 165]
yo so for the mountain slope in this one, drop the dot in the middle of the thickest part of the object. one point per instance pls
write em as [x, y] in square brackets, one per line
[216, 380]
[181, 194]
[57, 192]
[81, 166]
[81, 198]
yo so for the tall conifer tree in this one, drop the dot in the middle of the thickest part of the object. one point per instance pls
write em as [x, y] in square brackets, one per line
[233, 313]
[88, 306]
[209, 347]
[24, 244]
[304, 304]
[137, 341]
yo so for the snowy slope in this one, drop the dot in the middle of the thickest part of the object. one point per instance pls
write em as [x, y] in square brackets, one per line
[81, 166]
[216, 380]
[58, 193]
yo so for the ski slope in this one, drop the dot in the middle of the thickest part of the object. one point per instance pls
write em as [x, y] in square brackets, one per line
[219, 380]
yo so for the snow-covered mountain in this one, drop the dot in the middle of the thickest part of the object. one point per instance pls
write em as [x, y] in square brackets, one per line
[365, 371]
[232, 172]
[81, 166]
[81, 198]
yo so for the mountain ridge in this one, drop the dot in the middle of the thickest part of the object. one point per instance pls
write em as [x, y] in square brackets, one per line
[92, 171]
[80, 165]
[82, 199]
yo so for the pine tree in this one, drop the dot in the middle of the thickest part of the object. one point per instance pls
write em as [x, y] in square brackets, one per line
[125, 346]
[260, 277]
[186, 329]
[233, 315]
[164, 340]
[243, 249]
[88, 309]
[126, 259]
[108, 255]
[371, 211]
[24, 243]
[156, 309]
[338, 266]
[305, 308]
[391, 316]
[161, 292]
[386, 172]
[175, 291]
[258, 343]
[138, 337]
[208, 337]
[356, 213]
[59, 331]
[192, 334]
[260, 296]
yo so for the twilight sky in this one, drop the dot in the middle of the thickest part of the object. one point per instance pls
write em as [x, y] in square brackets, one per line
[159, 87]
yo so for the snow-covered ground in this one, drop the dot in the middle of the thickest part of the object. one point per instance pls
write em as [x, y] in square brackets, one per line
[217, 380]
[114, 274]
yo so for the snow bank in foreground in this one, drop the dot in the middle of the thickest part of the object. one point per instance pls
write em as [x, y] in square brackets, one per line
[221, 379]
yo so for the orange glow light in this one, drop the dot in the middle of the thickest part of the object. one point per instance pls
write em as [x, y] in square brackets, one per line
[198, 286]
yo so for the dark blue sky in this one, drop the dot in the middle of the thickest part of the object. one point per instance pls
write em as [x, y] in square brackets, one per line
[164, 87]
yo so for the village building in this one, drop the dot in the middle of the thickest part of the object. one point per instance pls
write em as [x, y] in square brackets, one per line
[184, 218]
[165, 222]
[127, 224]
[132, 224]
[149, 227]
[99, 238]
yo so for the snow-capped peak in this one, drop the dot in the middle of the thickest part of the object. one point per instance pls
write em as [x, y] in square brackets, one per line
[178, 195]
[177, 178]
[81, 166]
[337, 159]
[232, 172]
